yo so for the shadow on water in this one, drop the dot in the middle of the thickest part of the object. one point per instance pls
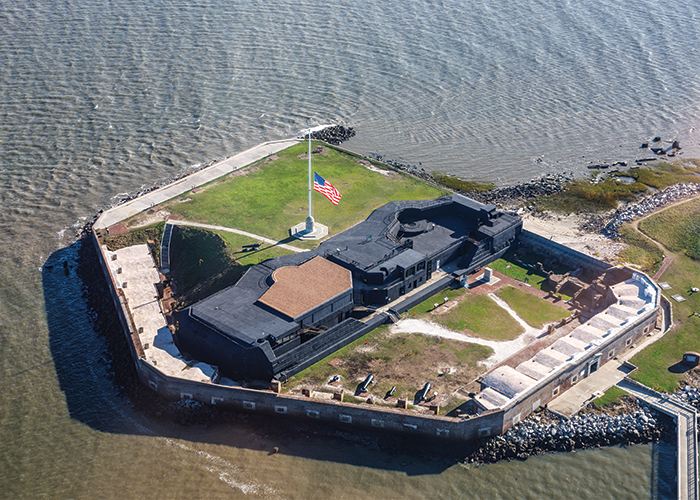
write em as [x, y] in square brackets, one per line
[101, 388]
[663, 471]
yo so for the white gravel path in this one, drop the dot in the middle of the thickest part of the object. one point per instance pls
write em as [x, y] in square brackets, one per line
[501, 350]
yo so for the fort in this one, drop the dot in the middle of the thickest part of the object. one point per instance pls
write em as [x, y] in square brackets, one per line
[254, 329]
[237, 347]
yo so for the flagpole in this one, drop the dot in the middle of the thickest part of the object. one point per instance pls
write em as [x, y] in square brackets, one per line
[309, 172]
[309, 229]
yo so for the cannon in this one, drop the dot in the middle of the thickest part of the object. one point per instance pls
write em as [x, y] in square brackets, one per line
[365, 384]
[424, 391]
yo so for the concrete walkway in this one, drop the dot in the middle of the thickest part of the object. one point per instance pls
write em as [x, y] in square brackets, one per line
[611, 373]
[237, 231]
[199, 178]
[572, 400]
[685, 417]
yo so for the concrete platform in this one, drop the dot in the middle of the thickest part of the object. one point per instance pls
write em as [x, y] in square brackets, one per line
[136, 275]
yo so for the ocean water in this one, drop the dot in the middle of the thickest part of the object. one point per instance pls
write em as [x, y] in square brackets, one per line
[100, 100]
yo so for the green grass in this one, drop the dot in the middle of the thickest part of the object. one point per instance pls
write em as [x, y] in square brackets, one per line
[523, 269]
[457, 184]
[234, 247]
[478, 314]
[664, 174]
[660, 364]
[535, 311]
[404, 360]
[677, 228]
[611, 396]
[273, 195]
[583, 195]
[641, 251]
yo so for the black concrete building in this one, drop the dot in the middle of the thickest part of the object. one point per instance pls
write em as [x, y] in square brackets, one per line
[289, 312]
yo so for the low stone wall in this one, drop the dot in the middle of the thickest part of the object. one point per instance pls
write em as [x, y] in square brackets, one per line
[305, 408]
[564, 254]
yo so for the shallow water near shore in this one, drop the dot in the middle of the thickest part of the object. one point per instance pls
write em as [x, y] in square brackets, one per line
[99, 101]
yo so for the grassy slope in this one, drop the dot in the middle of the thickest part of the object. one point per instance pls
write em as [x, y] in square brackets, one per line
[535, 311]
[659, 365]
[678, 228]
[203, 262]
[272, 198]
[583, 195]
[640, 250]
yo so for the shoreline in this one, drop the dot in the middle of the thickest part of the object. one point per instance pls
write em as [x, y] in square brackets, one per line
[552, 183]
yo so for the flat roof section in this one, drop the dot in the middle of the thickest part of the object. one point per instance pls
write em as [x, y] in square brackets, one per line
[298, 289]
[508, 381]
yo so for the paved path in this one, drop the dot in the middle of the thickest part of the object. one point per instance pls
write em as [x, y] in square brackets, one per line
[208, 174]
[572, 400]
[237, 231]
[685, 417]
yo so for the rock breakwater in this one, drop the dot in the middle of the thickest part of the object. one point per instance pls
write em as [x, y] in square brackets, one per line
[632, 211]
[509, 196]
[545, 433]
[333, 135]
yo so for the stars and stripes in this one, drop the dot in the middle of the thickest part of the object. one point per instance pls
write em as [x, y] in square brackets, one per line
[326, 189]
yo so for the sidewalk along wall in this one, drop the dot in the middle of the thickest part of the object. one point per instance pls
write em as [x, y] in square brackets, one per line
[132, 339]
[309, 409]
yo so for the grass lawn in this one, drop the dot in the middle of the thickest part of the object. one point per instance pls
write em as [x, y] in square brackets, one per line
[405, 360]
[659, 364]
[535, 311]
[271, 196]
[523, 269]
[611, 396]
[476, 315]
[641, 250]
[234, 247]
[677, 227]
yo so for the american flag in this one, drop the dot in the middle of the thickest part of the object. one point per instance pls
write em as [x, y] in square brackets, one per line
[326, 189]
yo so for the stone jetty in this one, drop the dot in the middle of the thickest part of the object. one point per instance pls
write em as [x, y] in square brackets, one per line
[671, 194]
[545, 432]
[334, 134]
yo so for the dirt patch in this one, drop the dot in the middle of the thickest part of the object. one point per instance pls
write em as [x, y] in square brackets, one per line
[245, 171]
[148, 218]
[571, 231]
[404, 361]
[368, 165]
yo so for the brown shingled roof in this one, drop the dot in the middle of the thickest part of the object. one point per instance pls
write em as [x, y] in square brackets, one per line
[298, 289]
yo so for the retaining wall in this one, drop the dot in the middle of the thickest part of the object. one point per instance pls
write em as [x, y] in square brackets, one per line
[564, 254]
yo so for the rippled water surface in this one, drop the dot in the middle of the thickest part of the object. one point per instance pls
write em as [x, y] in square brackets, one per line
[101, 99]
